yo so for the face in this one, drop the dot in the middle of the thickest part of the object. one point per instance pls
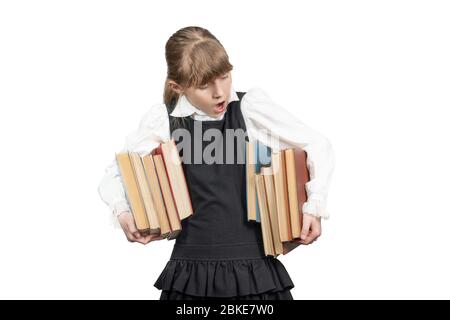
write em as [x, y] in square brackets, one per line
[211, 98]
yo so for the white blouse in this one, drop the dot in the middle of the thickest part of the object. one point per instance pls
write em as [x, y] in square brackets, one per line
[264, 120]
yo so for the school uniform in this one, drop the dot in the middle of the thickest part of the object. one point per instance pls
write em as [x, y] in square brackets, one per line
[219, 254]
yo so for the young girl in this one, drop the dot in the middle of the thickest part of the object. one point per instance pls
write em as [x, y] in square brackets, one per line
[219, 254]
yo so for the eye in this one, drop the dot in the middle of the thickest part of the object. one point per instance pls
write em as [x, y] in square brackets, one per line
[203, 87]
[225, 76]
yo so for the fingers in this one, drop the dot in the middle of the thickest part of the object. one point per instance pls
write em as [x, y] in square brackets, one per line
[133, 231]
[143, 239]
[312, 236]
[157, 237]
[134, 235]
[138, 237]
[130, 236]
[305, 234]
[127, 223]
[148, 238]
[311, 230]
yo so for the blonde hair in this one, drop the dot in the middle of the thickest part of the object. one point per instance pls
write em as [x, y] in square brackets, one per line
[194, 58]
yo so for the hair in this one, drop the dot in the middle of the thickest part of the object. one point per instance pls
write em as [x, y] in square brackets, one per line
[194, 58]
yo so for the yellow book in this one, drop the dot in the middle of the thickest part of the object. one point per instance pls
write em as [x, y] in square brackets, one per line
[279, 173]
[267, 173]
[265, 219]
[132, 191]
[159, 177]
[155, 190]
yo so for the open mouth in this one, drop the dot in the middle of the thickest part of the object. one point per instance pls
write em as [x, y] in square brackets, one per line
[220, 107]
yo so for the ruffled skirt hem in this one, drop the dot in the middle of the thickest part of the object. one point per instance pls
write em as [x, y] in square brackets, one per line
[278, 295]
[262, 278]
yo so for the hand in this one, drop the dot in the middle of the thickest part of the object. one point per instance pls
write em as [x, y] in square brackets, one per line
[126, 221]
[311, 229]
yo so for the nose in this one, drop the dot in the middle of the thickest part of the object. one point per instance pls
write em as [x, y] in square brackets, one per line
[218, 91]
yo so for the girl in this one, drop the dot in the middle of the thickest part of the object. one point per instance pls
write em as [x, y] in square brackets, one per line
[219, 254]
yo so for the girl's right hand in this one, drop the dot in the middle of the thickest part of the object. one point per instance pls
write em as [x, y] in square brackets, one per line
[126, 221]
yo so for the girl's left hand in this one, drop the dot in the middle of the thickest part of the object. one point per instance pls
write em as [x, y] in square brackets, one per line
[311, 229]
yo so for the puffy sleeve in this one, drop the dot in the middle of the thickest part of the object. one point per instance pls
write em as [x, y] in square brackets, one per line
[153, 129]
[276, 127]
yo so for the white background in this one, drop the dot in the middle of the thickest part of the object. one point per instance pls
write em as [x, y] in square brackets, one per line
[372, 76]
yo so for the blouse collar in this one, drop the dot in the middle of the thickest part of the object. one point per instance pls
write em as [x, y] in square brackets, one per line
[184, 108]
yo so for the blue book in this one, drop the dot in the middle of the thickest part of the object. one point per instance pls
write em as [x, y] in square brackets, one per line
[262, 156]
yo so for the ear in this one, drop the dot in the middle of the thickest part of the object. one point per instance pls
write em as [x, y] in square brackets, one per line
[175, 87]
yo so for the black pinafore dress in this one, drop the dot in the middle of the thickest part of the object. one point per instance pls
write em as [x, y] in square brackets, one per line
[219, 254]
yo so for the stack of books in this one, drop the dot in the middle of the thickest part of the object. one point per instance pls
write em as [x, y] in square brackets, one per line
[156, 189]
[275, 194]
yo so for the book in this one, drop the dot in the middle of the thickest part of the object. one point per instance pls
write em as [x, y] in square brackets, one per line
[297, 176]
[257, 156]
[264, 216]
[276, 191]
[272, 208]
[156, 189]
[175, 174]
[281, 195]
